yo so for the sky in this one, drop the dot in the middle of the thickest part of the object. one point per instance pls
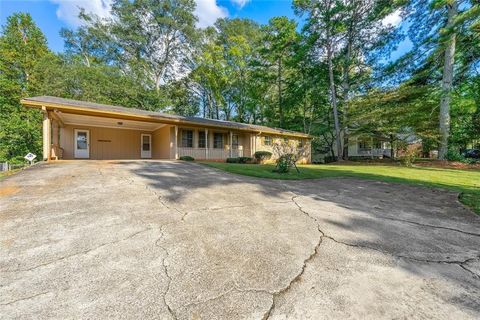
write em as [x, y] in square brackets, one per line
[53, 15]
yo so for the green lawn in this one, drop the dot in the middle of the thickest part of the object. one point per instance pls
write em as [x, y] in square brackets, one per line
[467, 182]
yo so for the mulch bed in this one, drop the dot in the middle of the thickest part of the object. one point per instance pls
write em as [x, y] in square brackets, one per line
[447, 164]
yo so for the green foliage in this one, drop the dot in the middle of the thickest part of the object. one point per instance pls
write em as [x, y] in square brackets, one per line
[186, 158]
[262, 155]
[239, 160]
[284, 163]
[22, 45]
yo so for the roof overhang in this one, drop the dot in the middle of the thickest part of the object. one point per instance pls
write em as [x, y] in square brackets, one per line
[153, 118]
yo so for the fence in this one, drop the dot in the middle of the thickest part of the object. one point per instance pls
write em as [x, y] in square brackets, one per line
[6, 166]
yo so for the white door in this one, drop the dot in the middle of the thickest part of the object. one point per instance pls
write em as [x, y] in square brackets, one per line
[146, 145]
[82, 144]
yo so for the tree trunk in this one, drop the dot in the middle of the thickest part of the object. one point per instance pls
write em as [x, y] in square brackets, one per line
[334, 103]
[346, 93]
[280, 102]
[392, 152]
[447, 82]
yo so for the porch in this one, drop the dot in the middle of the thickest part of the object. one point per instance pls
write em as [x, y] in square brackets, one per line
[80, 136]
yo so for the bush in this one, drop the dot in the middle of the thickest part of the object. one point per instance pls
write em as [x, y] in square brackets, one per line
[244, 159]
[239, 160]
[329, 159]
[454, 155]
[186, 158]
[262, 155]
[471, 160]
[284, 163]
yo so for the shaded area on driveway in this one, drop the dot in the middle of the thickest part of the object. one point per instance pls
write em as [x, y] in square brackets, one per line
[182, 240]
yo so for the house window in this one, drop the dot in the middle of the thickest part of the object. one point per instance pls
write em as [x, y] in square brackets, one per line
[377, 144]
[267, 141]
[235, 141]
[187, 138]
[300, 143]
[202, 139]
[362, 144]
[218, 140]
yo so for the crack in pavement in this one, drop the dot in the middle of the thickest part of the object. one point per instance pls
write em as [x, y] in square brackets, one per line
[459, 263]
[431, 226]
[474, 274]
[305, 262]
[79, 253]
[165, 269]
[24, 298]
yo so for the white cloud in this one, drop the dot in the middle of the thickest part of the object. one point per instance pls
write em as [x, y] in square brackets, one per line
[240, 3]
[68, 10]
[393, 19]
[207, 11]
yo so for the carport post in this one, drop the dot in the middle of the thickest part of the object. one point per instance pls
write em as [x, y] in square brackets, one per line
[46, 134]
[176, 142]
[230, 144]
[206, 143]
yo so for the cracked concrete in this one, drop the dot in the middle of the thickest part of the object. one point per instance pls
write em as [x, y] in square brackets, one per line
[173, 240]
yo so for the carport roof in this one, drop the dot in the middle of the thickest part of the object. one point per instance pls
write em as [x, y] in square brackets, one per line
[76, 106]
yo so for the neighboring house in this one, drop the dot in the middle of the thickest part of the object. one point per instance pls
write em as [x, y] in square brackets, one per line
[363, 146]
[373, 146]
[83, 130]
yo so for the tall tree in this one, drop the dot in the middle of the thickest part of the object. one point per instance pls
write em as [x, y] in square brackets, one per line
[436, 27]
[279, 42]
[325, 26]
[150, 39]
[447, 79]
[22, 45]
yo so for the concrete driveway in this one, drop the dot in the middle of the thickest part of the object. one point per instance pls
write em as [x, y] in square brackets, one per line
[174, 240]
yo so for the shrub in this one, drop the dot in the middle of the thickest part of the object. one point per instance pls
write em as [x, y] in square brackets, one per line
[284, 163]
[471, 161]
[454, 155]
[329, 159]
[186, 158]
[233, 160]
[262, 155]
[244, 159]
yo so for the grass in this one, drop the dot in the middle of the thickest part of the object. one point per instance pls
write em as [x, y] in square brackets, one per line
[4, 174]
[466, 182]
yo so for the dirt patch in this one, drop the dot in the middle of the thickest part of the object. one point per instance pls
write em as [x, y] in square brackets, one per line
[8, 190]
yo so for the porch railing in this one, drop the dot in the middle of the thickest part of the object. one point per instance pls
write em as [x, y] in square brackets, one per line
[213, 153]
[374, 152]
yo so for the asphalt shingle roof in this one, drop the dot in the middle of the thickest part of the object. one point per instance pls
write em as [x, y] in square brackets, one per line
[91, 106]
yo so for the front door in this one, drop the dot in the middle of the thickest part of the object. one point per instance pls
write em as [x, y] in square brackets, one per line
[146, 147]
[82, 144]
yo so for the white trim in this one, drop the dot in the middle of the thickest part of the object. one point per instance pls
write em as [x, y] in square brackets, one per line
[77, 155]
[146, 154]
[111, 127]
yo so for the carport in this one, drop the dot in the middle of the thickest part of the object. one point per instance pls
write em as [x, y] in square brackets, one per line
[75, 129]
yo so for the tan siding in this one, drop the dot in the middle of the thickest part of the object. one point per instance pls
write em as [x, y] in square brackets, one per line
[161, 143]
[122, 143]
[259, 146]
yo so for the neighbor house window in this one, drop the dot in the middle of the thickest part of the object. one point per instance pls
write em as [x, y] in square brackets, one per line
[235, 141]
[202, 139]
[267, 141]
[187, 138]
[363, 145]
[218, 140]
